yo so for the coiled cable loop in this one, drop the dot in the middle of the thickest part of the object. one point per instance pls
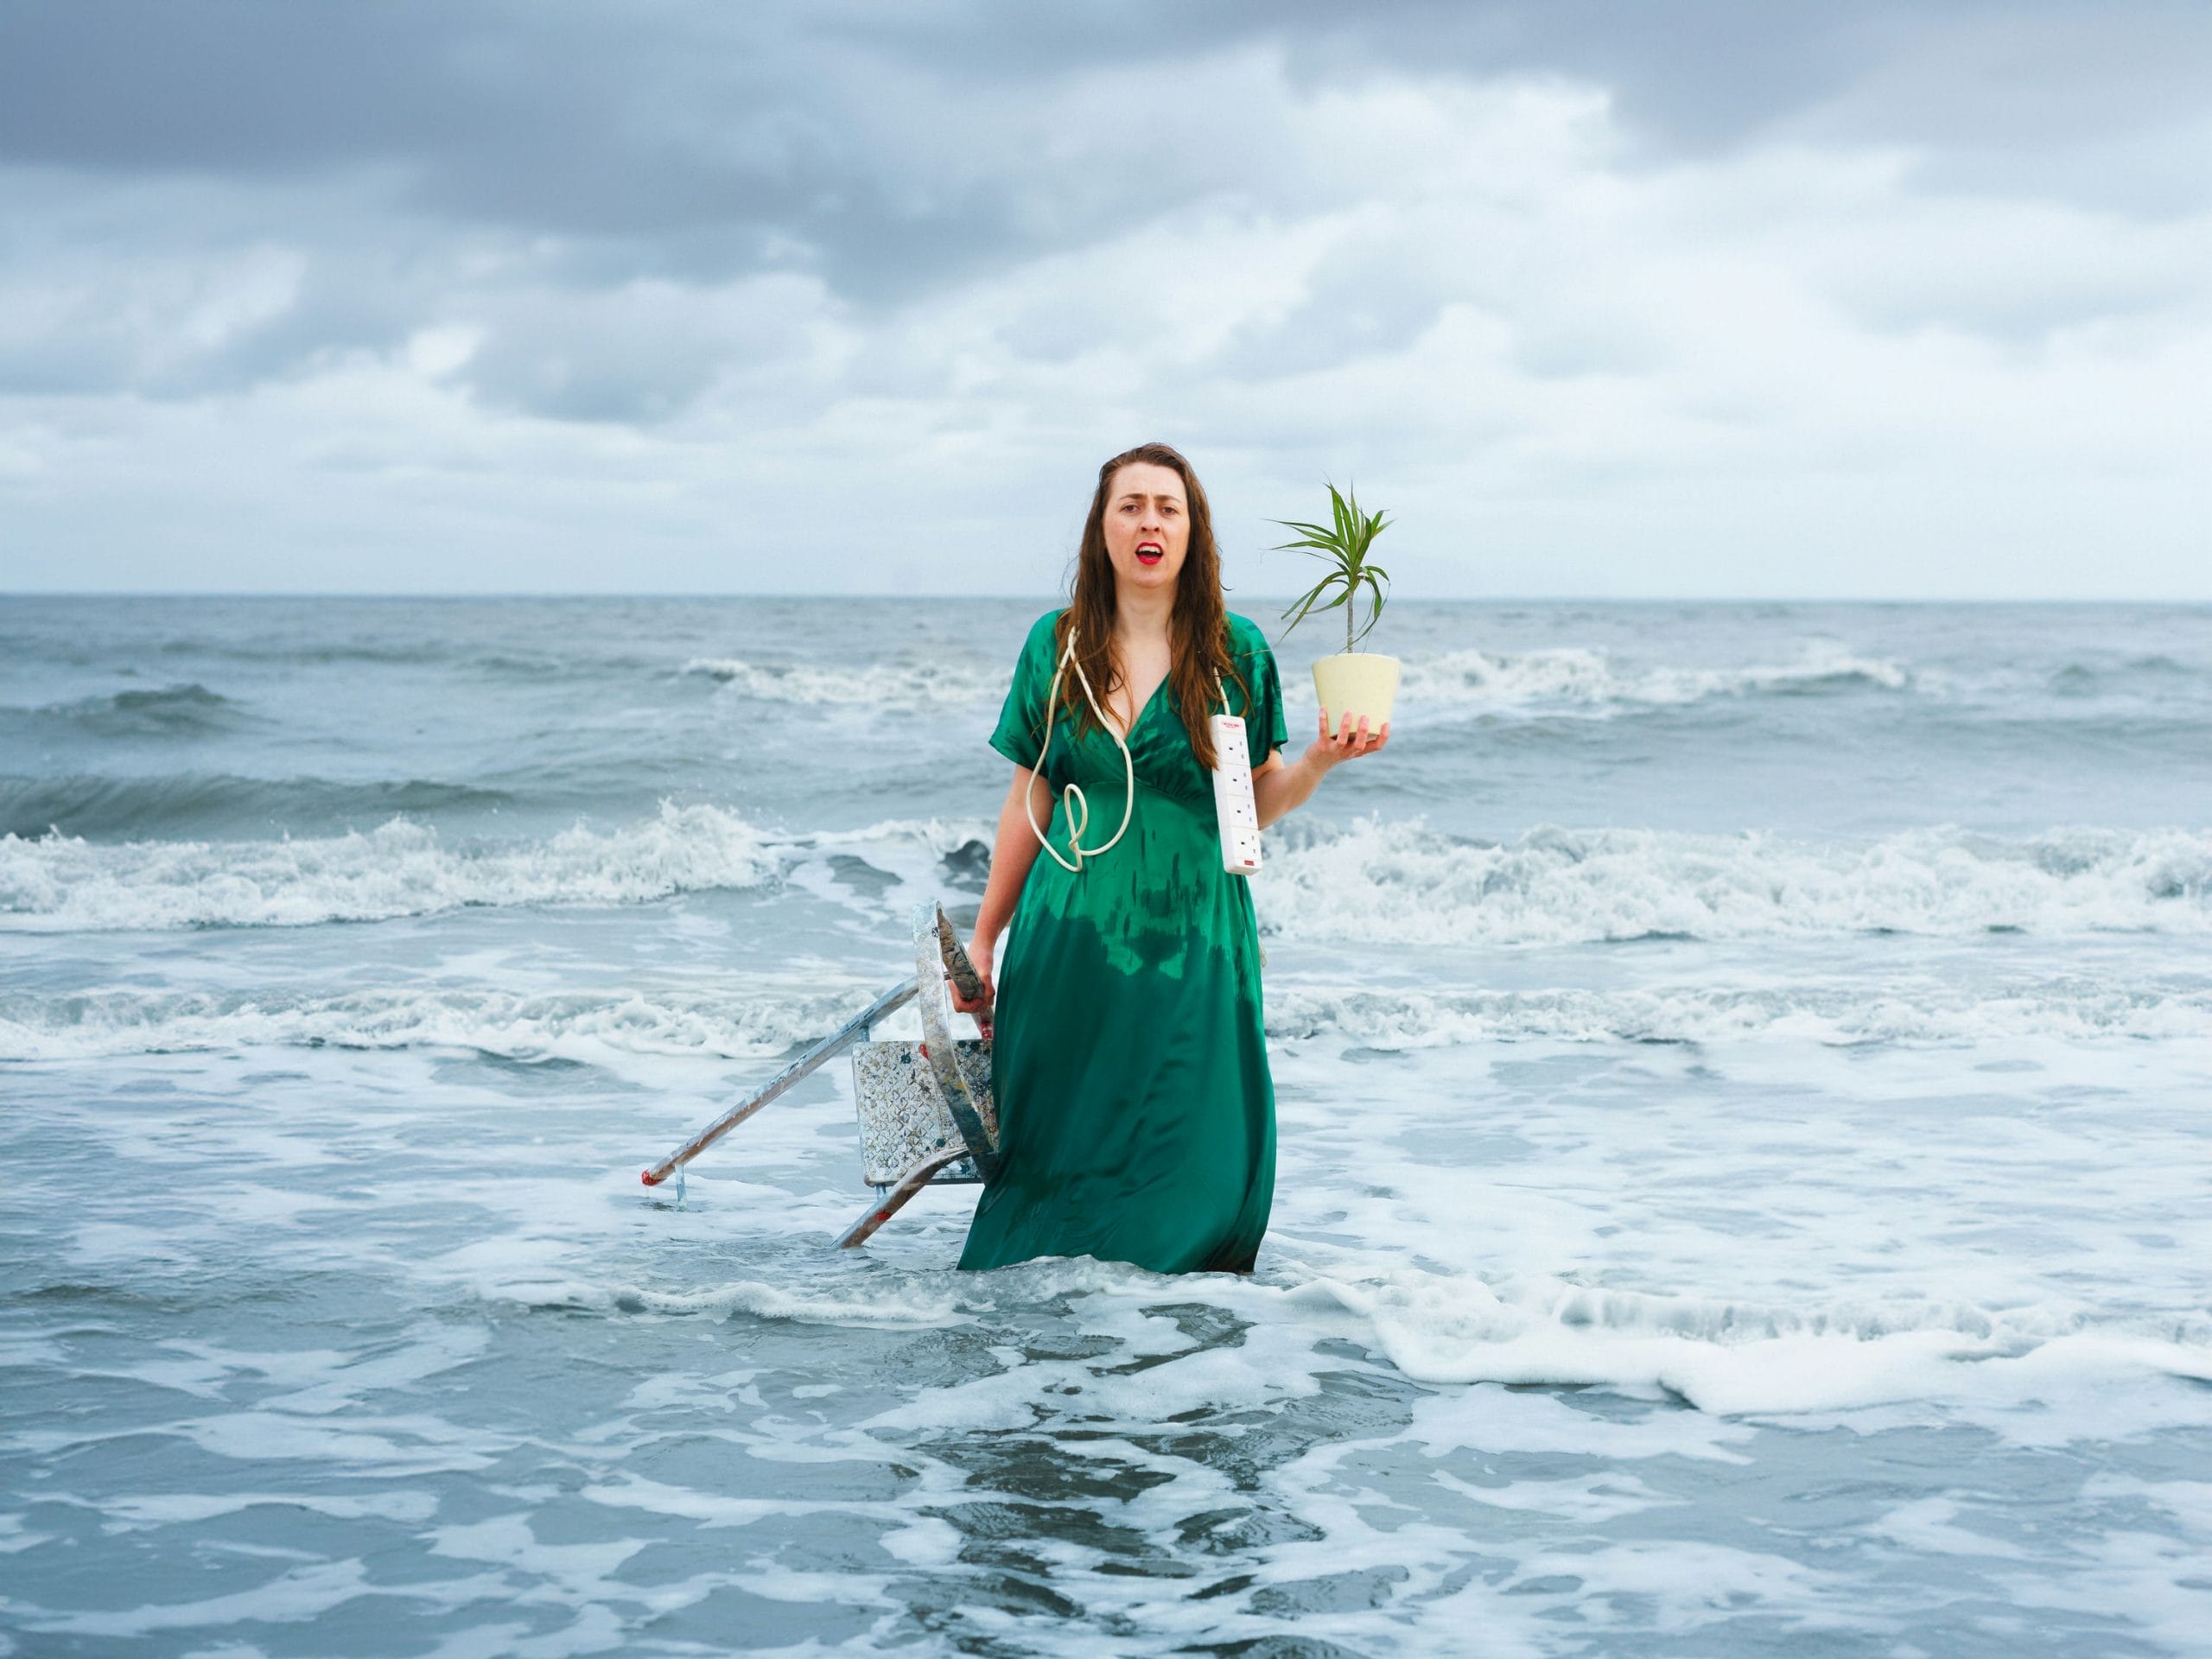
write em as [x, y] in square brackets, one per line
[1078, 804]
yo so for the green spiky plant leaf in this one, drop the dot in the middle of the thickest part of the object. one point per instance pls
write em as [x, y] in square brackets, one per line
[1343, 545]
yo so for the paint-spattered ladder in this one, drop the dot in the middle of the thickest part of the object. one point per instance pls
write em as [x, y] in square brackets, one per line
[925, 1109]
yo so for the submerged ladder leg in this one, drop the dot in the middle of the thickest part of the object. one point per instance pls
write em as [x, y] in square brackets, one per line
[896, 1197]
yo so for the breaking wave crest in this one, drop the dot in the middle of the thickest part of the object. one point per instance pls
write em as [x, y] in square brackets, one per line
[562, 1025]
[738, 1022]
[1730, 1358]
[1376, 881]
[400, 869]
[1581, 677]
[1402, 882]
[1572, 676]
[1841, 1012]
[873, 685]
[57, 883]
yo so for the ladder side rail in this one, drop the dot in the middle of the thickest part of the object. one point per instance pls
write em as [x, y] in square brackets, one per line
[964, 977]
[828, 1048]
[931, 928]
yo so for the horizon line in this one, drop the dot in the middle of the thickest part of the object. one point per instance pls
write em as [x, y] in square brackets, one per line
[1438, 598]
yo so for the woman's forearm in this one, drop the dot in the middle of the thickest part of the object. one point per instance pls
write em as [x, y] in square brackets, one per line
[1284, 789]
[1014, 849]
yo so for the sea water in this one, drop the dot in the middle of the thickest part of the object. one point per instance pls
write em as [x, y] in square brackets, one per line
[1744, 1084]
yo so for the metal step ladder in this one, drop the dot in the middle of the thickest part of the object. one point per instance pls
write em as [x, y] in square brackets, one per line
[925, 1110]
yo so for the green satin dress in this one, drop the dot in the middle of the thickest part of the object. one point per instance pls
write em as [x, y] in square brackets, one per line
[1136, 1113]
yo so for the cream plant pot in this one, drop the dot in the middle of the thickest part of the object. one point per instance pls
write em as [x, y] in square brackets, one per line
[1357, 683]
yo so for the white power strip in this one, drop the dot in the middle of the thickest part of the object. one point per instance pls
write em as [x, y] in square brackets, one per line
[1233, 805]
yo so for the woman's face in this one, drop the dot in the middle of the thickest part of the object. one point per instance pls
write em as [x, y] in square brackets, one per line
[1148, 526]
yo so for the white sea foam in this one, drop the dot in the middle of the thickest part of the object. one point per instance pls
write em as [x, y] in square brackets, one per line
[1834, 1011]
[742, 1022]
[937, 836]
[1571, 677]
[567, 1025]
[1565, 676]
[871, 685]
[299, 1594]
[57, 883]
[910, 1303]
[1586, 679]
[1403, 882]
[914, 1302]
[400, 869]
[1732, 1357]
[1396, 882]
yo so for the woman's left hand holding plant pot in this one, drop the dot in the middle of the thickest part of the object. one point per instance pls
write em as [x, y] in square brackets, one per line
[1278, 788]
[1347, 742]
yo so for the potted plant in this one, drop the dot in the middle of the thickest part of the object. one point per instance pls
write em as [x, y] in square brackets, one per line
[1351, 682]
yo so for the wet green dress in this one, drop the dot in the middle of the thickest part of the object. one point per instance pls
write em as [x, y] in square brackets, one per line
[1137, 1113]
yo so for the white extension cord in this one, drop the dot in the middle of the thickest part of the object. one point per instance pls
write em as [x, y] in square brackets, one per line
[1236, 810]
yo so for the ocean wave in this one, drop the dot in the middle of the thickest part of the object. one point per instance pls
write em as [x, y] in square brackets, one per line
[516, 658]
[401, 653]
[582, 1024]
[907, 1301]
[1839, 1013]
[1735, 1358]
[2158, 662]
[103, 807]
[189, 710]
[1402, 882]
[1578, 676]
[738, 1021]
[400, 869]
[1393, 882]
[938, 838]
[874, 685]
[1571, 676]
[2167, 675]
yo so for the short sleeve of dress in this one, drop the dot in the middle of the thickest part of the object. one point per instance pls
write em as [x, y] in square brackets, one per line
[1266, 729]
[1019, 735]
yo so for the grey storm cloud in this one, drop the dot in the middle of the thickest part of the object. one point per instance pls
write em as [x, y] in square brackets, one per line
[853, 219]
[709, 128]
[892, 151]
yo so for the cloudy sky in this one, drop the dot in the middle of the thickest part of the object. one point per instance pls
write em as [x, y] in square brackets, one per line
[1726, 297]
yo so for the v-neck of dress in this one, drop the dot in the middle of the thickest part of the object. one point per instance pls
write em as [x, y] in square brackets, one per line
[1137, 719]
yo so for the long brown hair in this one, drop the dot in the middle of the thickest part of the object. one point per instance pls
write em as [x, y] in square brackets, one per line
[1197, 628]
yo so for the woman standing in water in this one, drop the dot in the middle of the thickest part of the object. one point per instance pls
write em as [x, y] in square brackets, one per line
[1137, 1113]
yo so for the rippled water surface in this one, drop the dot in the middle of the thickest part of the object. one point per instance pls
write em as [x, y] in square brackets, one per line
[1746, 1083]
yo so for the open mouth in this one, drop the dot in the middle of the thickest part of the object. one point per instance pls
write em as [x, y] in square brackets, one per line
[1150, 553]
